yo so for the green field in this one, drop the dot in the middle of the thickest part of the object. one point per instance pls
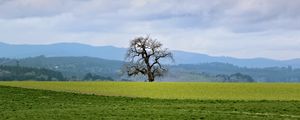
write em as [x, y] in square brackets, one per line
[30, 104]
[174, 90]
[140, 100]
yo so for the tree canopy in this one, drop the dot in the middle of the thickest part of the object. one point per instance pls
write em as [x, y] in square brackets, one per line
[144, 57]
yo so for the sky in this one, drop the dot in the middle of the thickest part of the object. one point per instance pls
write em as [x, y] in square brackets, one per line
[236, 28]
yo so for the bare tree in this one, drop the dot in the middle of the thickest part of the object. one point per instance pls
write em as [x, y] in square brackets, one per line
[143, 58]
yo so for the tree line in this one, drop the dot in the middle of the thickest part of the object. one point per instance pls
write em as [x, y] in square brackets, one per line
[21, 73]
[8, 73]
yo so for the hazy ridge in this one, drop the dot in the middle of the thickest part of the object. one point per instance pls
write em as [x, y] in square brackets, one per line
[75, 68]
[115, 53]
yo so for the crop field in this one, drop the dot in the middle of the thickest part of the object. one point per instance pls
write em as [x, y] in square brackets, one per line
[139, 100]
[34, 104]
[174, 90]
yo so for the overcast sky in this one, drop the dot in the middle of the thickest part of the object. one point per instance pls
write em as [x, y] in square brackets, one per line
[238, 28]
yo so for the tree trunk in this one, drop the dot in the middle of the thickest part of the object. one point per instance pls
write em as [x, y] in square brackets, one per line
[149, 72]
[150, 77]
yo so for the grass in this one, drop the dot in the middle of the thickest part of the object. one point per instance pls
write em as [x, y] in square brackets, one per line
[174, 90]
[33, 104]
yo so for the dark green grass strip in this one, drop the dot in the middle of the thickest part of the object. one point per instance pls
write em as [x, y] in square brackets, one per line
[29, 104]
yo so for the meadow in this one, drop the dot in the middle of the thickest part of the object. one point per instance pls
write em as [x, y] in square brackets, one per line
[174, 90]
[33, 104]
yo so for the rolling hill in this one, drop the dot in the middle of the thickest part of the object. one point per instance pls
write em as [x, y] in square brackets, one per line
[75, 68]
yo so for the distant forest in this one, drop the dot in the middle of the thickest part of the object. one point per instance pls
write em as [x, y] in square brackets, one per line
[8, 73]
[269, 74]
[89, 68]
[20, 73]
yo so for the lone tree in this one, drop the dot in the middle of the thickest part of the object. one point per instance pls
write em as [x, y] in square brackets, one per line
[143, 58]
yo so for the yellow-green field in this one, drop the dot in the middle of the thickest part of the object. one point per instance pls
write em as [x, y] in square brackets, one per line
[174, 90]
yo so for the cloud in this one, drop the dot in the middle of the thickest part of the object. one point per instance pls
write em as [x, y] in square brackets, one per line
[240, 28]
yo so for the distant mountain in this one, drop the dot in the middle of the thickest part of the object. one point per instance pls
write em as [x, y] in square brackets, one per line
[114, 53]
[61, 49]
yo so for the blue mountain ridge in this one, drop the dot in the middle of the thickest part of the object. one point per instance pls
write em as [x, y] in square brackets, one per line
[115, 53]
